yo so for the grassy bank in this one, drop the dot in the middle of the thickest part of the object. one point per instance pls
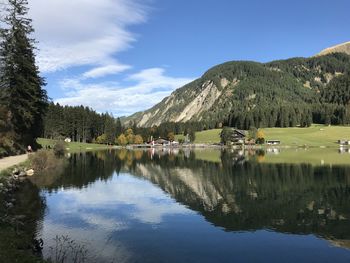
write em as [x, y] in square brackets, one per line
[316, 135]
[74, 146]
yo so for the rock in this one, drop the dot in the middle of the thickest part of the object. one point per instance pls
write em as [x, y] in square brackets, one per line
[1, 185]
[15, 171]
[15, 177]
[30, 172]
[22, 174]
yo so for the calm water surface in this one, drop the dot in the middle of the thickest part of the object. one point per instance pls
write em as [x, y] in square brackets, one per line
[183, 206]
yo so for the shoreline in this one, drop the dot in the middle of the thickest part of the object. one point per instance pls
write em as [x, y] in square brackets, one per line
[8, 162]
[236, 147]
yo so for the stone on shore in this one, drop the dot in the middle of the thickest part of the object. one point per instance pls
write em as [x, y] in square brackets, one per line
[30, 172]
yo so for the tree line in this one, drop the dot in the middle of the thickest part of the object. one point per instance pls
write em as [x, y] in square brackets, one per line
[83, 124]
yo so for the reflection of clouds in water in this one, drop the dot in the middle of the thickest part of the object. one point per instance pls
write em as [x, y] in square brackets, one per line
[98, 241]
[132, 197]
[149, 203]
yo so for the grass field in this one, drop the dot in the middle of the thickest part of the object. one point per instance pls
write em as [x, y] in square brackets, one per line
[208, 136]
[316, 135]
[74, 146]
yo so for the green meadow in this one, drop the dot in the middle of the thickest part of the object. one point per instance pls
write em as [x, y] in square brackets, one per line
[314, 136]
[73, 146]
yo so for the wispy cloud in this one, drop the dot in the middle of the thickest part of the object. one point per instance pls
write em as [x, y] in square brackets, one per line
[105, 70]
[151, 86]
[83, 32]
[89, 35]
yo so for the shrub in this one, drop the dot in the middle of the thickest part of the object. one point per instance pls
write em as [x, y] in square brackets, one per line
[60, 148]
[43, 160]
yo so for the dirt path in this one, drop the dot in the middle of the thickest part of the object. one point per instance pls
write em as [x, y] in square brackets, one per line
[12, 160]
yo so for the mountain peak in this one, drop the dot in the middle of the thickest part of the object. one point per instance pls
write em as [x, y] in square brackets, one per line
[343, 48]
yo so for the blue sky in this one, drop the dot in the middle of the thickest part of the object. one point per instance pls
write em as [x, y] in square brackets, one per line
[124, 56]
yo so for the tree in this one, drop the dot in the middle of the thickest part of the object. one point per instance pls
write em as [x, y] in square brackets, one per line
[119, 127]
[130, 138]
[226, 135]
[110, 128]
[121, 140]
[21, 89]
[260, 137]
[138, 139]
[102, 139]
[171, 136]
[192, 135]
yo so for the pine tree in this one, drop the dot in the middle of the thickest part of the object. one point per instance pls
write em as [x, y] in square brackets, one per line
[110, 128]
[21, 85]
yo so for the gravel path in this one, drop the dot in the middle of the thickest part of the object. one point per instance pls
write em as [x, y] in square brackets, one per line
[11, 161]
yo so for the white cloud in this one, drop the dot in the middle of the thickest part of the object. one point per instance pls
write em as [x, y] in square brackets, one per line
[105, 70]
[152, 85]
[83, 32]
[90, 35]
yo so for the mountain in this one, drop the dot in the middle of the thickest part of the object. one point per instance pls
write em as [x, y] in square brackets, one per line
[344, 48]
[244, 94]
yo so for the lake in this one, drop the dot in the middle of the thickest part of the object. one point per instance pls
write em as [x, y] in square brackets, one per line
[196, 206]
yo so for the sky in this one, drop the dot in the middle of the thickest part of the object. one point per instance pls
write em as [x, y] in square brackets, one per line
[124, 56]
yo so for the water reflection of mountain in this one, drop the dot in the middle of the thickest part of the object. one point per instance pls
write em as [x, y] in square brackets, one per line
[235, 194]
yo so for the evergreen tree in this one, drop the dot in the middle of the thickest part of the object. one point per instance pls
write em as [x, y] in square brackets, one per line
[21, 85]
[110, 129]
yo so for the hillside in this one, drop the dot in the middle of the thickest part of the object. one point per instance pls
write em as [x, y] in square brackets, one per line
[344, 48]
[242, 93]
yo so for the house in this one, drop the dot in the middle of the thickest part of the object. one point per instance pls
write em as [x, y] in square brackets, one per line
[233, 136]
[344, 142]
[273, 142]
[160, 142]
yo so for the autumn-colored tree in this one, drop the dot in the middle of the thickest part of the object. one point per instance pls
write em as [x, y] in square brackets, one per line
[138, 139]
[260, 134]
[101, 139]
[260, 137]
[122, 140]
[130, 138]
[129, 131]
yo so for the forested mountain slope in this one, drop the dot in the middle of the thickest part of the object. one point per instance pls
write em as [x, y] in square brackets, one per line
[243, 94]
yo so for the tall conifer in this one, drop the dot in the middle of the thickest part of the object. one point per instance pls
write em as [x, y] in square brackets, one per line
[22, 90]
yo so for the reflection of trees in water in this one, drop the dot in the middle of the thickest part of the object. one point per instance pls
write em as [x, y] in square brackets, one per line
[236, 194]
[247, 195]
[19, 225]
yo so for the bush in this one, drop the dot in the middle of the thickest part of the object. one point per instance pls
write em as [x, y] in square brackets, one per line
[60, 148]
[43, 160]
